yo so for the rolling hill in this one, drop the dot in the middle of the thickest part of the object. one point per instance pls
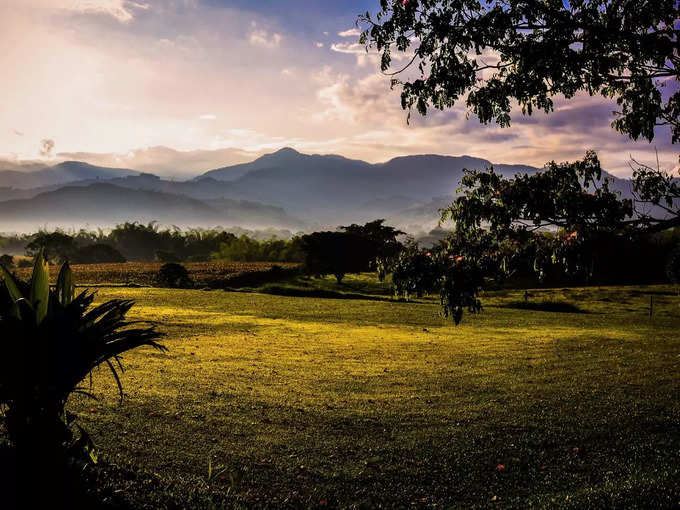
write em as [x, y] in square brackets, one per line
[105, 204]
[61, 173]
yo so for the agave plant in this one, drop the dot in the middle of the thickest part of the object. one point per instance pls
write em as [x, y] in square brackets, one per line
[50, 341]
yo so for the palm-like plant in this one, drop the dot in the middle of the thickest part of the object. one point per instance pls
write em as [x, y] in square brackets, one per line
[50, 341]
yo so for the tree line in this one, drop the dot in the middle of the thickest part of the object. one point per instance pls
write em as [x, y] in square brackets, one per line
[133, 241]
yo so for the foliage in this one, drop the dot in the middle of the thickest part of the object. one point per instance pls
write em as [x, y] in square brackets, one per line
[461, 284]
[415, 273]
[52, 340]
[337, 253]
[568, 219]
[673, 266]
[57, 246]
[7, 260]
[98, 253]
[174, 276]
[572, 196]
[496, 53]
[247, 249]
[386, 246]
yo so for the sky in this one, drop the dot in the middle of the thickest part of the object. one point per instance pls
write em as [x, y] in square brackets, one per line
[115, 76]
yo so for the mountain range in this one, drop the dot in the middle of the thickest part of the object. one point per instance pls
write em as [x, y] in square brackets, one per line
[285, 189]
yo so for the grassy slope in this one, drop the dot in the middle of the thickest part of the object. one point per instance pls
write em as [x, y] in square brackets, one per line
[310, 401]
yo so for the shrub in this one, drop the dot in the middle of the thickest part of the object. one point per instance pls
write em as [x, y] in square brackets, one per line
[52, 340]
[174, 276]
[7, 260]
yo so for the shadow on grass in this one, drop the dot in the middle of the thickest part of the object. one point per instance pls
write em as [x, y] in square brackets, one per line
[44, 485]
[282, 290]
[545, 306]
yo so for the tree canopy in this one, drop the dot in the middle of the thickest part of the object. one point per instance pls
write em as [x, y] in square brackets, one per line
[491, 53]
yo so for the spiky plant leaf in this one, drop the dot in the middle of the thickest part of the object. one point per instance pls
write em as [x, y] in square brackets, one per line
[40, 287]
[65, 286]
[13, 290]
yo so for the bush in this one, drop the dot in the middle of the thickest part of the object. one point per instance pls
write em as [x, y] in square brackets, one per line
[7, 260]
[174, 276]
[24, 263]
[52, 340]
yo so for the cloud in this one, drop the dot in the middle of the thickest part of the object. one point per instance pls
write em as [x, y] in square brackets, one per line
[122, 10]
[352, 32]
[363, 55]
[261, 37]
[145, 79]
[46, 148]
[208, 116]
[17, 132]
[351, 48]
[318, 44]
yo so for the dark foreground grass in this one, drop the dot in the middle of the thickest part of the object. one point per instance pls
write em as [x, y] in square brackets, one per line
[276, 401]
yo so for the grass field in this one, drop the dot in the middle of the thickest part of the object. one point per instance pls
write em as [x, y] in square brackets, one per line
[269, 401]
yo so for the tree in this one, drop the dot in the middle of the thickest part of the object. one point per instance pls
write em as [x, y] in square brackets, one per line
[336, 253]
[496, 52]
[7, 260]
[415, 272]
[584, 223]
[673, 266]
[57, 246]
[385, 243]
[98, 253]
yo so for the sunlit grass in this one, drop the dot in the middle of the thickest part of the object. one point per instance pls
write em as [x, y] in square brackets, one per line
[364, 402]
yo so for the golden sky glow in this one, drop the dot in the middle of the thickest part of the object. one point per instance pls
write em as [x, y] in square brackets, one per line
[110, 76]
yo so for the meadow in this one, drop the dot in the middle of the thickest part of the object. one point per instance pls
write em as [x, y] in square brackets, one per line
[360, 401]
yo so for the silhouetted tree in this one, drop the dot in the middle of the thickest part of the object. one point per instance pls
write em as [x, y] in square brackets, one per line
[58, 246]
[97, 254]
[336, 253]
[384, 241]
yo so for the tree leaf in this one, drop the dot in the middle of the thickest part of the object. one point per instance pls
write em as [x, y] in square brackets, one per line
[13, 290]
[40, 287]
[65, 286]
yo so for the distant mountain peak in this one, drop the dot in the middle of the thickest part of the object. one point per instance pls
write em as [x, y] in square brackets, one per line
[287, 150]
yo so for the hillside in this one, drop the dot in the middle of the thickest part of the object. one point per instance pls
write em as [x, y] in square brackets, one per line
[34, 176]
[104, 204]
